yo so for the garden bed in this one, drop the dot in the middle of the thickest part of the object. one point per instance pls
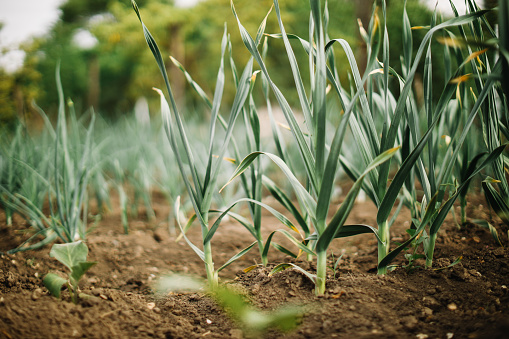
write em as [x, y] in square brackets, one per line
[467, 300]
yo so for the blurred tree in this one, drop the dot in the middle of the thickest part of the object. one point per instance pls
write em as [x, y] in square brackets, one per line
[7, 107]
[119, 69]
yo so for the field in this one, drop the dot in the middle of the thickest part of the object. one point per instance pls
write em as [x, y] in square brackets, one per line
[377, 207]
[468, 300]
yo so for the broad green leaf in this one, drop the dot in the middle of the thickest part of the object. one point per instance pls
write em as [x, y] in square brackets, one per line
[466, 172]
[54, 283]
[77, 271]
[70, 254]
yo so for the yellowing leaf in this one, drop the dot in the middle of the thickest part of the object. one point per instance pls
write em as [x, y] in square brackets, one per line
[375, 71]
[476, 55]
[361, 28]
[231, 160]
[419, 27]
[250, 268]
[376, 23]
[253, 77]
[460, 79]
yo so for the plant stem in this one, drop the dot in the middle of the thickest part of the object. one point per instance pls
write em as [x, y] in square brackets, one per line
[311, 246]
[463, 204]
[431, 250]
[321, 272]
[73, 291]
[383, 245]
[265, 260]
[209, 266]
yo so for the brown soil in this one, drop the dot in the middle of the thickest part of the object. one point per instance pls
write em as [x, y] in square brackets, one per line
[468, 300]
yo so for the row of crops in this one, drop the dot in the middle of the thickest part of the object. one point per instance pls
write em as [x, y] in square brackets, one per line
[385, 130]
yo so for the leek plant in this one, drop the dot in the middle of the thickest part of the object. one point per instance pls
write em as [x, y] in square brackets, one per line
[11, 171]
[200, 185]
[27, 158]
[495, 122]
[320, 159]
[436, 203]
[251, 183]
[141, 180]
[300, 214]
[397, 116]
[399, 124]
[71, 172]
[122, 196]
[66, 183]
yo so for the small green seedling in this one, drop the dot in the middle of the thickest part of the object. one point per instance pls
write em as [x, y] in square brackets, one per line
[251, 319]
[74, 256]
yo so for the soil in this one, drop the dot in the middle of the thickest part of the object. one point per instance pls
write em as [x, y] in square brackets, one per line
[467, 300]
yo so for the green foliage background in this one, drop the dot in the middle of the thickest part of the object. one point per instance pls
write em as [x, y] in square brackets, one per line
[192, 35]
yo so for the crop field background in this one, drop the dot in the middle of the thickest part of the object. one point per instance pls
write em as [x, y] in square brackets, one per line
[293, 172]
